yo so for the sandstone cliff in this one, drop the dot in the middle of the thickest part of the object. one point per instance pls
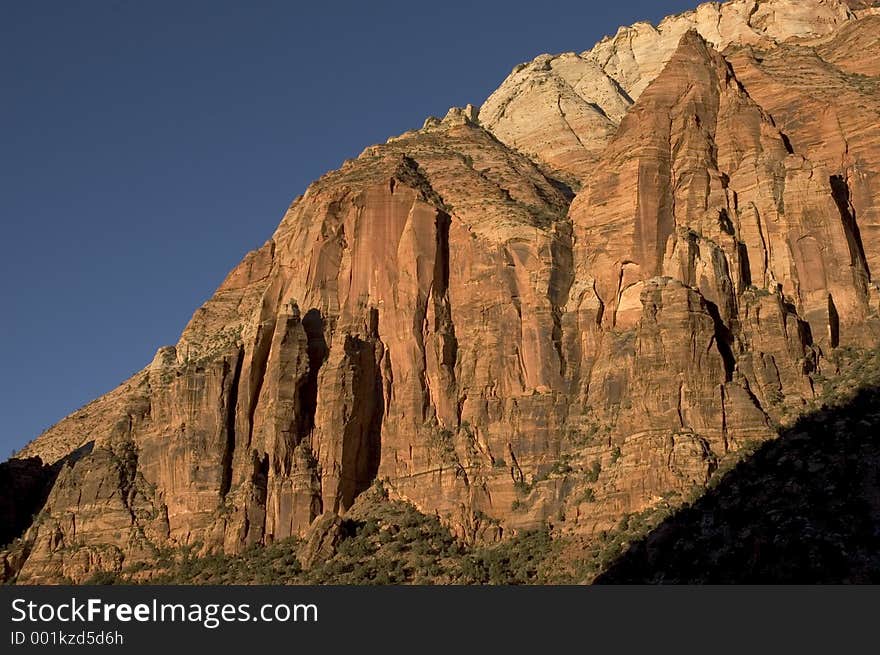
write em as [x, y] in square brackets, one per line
[566, 306]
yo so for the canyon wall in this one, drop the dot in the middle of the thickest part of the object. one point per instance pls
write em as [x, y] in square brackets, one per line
[563, 307]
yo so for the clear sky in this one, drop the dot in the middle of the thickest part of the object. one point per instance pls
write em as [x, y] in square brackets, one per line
[145, 147]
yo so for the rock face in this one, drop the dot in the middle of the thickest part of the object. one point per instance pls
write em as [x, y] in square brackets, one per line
[445, 314]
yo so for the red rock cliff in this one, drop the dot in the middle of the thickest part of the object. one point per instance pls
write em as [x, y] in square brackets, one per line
[445, 314]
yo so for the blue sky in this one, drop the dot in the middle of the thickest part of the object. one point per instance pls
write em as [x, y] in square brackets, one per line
[147, 146]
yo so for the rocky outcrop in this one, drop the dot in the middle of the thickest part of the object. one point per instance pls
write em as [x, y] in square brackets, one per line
[445, 315]
[320, 542]
[560, 110]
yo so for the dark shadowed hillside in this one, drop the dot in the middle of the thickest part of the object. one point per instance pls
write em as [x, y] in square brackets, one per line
[804, 508]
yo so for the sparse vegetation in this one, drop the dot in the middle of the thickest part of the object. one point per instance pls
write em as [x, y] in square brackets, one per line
[592, 473]
[588, 496]
[392, 543]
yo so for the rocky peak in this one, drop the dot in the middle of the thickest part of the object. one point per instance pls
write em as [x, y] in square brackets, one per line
[636, 55]
[563, 109]
[467, 115]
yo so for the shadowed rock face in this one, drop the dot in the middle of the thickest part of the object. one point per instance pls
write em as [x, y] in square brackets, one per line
[26, 484]
[804, 509]
[444, 314]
